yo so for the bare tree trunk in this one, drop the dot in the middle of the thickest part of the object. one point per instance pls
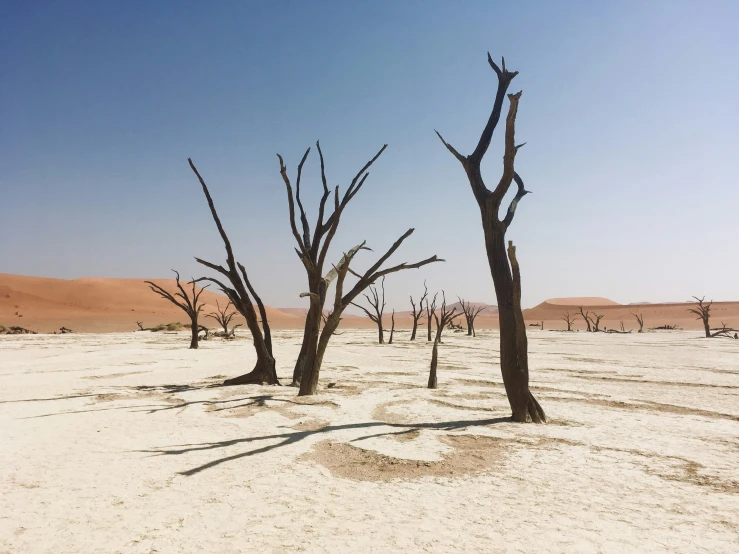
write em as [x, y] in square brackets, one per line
[434, 359]
[392, 329]
[194, 329]
[300, 363]
[415, 328]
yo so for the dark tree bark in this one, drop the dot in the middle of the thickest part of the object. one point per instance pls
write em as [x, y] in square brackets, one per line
[430, 313]
[392, 327]
[513, 344]
[569, 320]
[223, 316]
[447, 317]
[312, 251]
[239, 293]
[586, 317]
[417, 315]
[181, 299]
[640, 321]
[377, 303]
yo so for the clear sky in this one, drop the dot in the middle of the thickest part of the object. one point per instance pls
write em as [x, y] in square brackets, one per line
[630, 111]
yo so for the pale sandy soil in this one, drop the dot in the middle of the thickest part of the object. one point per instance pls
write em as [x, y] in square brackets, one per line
[120, 443]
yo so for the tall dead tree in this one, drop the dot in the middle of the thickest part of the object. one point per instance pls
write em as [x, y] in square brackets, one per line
[312, 251]
[595, 320]
[190, 306]
[586, 317]
[447, 317]
[377, 303]
[568, 319]
[392, 327]
[418, 314]
[640, 321]
[223, 316]
[513, 362]
[240, 294]
[430, 313]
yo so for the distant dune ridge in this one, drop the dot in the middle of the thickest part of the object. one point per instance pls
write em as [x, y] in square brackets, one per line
[115, 305]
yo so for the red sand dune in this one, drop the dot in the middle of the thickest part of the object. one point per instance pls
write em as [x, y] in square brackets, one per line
[655, 315]
[102, 305]
[112, 305]
[583, 301]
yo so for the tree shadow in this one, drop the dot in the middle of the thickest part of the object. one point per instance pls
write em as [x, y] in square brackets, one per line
[292, 438]
[47, 399]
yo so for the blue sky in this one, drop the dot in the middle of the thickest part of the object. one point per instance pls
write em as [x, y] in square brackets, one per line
[630, 111]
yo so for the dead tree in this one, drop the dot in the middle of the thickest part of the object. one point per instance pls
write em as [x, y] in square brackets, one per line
[392, 327]
[240, 294]
[447, 317]
[640, 321]
[703, 311]
[568, 319]
[586, 317]
[666, 327]
[430, 314]
[471, 316]
[595, 320]
[377, 303]
[513, 343]
[312, 251]
[141, 326]
[190, 306]
[724, 331]
[417, 315]
[223, 316]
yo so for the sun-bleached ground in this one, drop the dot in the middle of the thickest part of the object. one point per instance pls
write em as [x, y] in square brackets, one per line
[121, 443]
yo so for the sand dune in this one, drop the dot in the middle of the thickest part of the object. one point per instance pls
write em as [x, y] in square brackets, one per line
[101, 304]
[583, 301]
[114, 305]
[655, 315]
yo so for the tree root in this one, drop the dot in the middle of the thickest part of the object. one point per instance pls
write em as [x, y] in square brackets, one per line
[260, 375]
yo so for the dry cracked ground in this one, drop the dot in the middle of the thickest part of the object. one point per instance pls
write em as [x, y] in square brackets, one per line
[126, 443]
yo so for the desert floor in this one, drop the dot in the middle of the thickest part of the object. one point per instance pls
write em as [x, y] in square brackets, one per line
[124, 443]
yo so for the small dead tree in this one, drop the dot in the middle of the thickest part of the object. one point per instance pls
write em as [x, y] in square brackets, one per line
[568, 319]
[703, 311]
[223, 317]
[312, 251]
[377, 303]
[471, 316]
[430, 314]
[595, 320]
[190, 306]
[392, 327]
[513, 342]
[447, 317]
[240, 294]
[418, 314]
[640, 321]
[586, 317]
